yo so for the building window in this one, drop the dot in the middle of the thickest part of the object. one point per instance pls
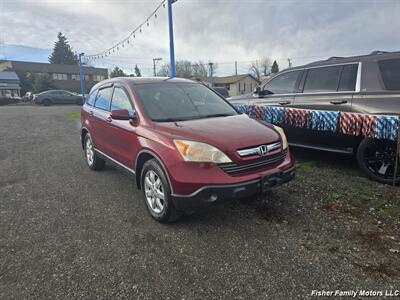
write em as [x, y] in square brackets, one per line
[75, 77]
[98, 77]
[60, 76]
[87, 77]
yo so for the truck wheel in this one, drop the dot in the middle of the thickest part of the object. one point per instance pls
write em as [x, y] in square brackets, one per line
[46, 102]
[157, 193]
[376, 158]
[94, 162]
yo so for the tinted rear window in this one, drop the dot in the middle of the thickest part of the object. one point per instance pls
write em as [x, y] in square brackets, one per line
[324, 79]
[169, 102]
[390, 70]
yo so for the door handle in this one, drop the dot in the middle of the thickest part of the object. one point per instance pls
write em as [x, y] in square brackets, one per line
[108, 119]
[339, 102]
[285, 102]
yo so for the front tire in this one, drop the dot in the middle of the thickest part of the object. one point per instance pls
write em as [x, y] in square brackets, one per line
[376, 158]
[157, 193]
[93, 161]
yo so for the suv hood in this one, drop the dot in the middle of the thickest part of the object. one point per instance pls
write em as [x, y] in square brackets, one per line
[226, 133]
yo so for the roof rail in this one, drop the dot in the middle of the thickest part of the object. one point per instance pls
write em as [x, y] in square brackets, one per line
[376, 52]
[334, 57]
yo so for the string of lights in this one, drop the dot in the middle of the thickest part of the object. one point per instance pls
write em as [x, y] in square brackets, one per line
[128, 40]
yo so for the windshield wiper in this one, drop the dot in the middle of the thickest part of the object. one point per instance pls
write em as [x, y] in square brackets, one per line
[216, 115]
[171, 120]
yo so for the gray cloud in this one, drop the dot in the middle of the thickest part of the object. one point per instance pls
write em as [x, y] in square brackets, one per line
[222, 31]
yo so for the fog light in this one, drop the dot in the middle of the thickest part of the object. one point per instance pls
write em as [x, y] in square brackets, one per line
[213, 197]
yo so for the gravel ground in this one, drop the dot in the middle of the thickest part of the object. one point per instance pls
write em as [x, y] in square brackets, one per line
[67, 232]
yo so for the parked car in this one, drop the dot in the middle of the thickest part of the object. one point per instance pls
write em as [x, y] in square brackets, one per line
[222, 91]
[186, 145]
[363, 84]
[57, 97]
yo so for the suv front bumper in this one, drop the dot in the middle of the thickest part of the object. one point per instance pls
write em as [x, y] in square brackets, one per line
[214, 194]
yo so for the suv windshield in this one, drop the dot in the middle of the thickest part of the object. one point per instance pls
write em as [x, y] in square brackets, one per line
[168, 102]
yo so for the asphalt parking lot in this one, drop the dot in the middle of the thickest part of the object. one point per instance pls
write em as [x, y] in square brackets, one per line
[67, 232]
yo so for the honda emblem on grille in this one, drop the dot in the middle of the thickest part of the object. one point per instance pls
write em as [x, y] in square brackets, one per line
[263, 150]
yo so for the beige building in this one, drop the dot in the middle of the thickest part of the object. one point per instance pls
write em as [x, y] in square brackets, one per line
[236, 85]
[66, 77]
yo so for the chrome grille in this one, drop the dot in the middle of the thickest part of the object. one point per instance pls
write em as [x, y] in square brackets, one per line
[262, 162]
[260, 150]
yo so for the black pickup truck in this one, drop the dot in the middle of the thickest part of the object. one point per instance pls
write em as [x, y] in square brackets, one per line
[367, 84]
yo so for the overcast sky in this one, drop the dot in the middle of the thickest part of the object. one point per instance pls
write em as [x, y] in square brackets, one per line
[222, 31]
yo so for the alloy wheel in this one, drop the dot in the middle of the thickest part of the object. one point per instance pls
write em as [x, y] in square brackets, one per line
[89, 152]
[380, 159]
[154, 192]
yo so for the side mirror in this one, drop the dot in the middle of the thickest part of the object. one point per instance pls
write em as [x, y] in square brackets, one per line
[120, 114]
[257, 90]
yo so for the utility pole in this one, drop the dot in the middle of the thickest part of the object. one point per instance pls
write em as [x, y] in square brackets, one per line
[235, 67]
[289, 62]
[155, 60]
[210, 78]
[81, 75]
[171, 39]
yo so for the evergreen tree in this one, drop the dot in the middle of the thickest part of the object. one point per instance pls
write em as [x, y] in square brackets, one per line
[137, 71]
[62, 52]
[275, 67]
[42, 83]
[117, 72]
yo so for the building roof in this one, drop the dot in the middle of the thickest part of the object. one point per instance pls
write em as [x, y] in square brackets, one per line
[9, 75]
[226, 79]
[53, 68]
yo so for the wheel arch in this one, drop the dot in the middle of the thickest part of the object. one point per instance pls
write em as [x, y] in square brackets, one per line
[84, 132]
[143, 156]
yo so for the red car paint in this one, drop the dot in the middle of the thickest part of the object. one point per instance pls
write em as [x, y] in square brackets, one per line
[125, 141]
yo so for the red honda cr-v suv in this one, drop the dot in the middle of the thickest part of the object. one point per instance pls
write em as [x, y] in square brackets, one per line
[187, 147]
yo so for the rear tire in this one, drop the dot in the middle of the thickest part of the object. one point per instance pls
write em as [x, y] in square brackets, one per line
[376, 158]
[92, 159]
[46, 102]
[157, 193]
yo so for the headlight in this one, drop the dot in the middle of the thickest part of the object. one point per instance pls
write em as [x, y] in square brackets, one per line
[283, 136]
[200, 152]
